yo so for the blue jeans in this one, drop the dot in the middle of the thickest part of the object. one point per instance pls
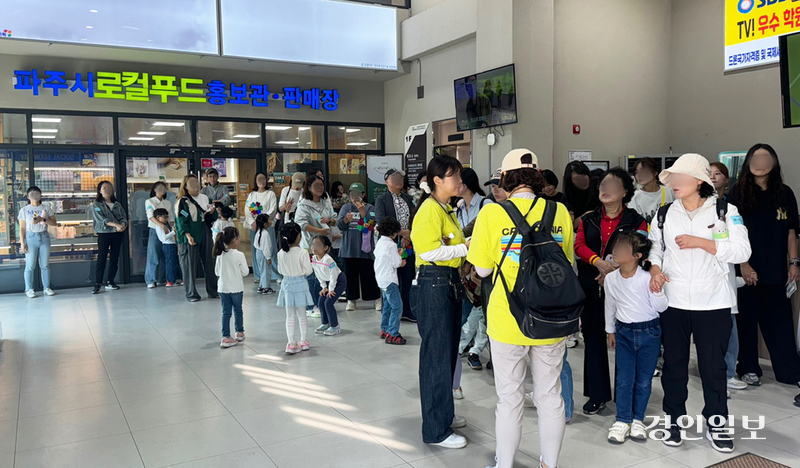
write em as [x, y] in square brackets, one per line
[265, 277]
[155, 270]
[439, 323]
[313, 287]
[638, 346]
[733, 349]
[475, 328]
[274, 255]
[566, 387]
[254, 252]
[172, 268]
[38, 244]
[327, 305]
[231, 301]
[392, 309]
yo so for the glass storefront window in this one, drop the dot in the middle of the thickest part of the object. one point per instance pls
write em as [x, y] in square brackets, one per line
[297, 162]
[12, 128]
[347, 169]
[68, 180]
[154, 132]
[72, 130]
[215, 134]
[14, 173]
[354, 138]
[295, 136]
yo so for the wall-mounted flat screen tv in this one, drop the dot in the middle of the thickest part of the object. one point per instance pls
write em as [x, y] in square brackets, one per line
[486, 99]
[790, 79]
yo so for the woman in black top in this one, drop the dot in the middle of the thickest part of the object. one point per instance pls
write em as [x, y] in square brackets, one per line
[769, 211]
[580, 191]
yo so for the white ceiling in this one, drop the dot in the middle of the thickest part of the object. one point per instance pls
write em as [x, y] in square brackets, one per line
[86, 52]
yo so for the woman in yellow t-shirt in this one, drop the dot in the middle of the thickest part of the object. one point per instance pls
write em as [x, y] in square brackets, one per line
[439, 244]
[493, 232]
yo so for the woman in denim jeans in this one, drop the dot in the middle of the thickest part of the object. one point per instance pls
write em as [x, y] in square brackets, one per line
[35, 240]
[440, 246]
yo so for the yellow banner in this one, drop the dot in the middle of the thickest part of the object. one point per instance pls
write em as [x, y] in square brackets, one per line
[750, 20]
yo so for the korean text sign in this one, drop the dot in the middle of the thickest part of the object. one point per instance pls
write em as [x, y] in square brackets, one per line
[752, 28]
[139, 86]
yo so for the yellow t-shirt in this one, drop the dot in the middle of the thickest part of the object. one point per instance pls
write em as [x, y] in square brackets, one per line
[432, 223]
[489, 240]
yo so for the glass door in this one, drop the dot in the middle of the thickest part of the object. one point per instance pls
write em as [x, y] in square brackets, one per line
[142, 171]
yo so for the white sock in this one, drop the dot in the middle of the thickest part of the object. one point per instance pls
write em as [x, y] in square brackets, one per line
[303, 322]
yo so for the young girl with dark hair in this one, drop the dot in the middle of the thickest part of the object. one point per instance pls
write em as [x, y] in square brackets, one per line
[769, 211]
[230, 267]
[262, 243]
[294, 264]
[333, 283]
[634, 330]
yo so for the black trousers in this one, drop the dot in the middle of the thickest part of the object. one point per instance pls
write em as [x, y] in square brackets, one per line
[596, 375]
[406, 276]
[361, 272]
[712, 330]
[766, 305]
[107, 244]
[208, 261]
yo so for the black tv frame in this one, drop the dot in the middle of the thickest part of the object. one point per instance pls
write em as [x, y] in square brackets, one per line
[786, 104]
[516, 114]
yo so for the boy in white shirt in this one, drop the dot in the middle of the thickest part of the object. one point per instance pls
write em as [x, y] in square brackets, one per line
[168, 246]
[387, 261]
[223, 221]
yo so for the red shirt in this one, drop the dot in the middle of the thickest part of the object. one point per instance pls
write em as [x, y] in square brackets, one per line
[607, 227]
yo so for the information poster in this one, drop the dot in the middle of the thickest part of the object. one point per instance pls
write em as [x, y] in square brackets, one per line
[580, 155]
[416, 151]
[376, 168]
[752, 28]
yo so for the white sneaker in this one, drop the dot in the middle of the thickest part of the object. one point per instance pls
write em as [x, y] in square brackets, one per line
[321, 329]
[736, 384]
[30, 293]
[728, 393]
[279, 281]
[454, 441]
[351, 305]
[529, 401]
[49, 292]
[638, 430]
[458, 394]
[315, 313]
[151, 286]
[619, 432]
[458, 422]
[379, 305]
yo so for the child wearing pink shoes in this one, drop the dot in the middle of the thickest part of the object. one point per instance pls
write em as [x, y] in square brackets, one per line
[294, 264]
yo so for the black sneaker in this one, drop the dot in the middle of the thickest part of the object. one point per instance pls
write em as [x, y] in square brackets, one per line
[268, 291]
[720, 440]
[593, 408]
[474, 362]
[395, 340]
[674, 439]
[96, 289]
[406, 319]
[797, 400]
[111, 286]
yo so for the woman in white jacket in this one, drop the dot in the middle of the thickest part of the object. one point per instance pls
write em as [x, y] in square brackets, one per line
[261, 201]
[691, 260]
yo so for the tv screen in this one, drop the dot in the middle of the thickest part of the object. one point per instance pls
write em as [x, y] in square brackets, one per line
[790, 79]
[486, 99]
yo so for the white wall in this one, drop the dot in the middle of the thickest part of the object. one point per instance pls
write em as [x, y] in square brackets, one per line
[359, 101]
[403, 109]
[611, 77]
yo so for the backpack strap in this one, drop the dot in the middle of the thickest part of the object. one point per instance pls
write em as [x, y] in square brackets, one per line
[521, 226]
[483, 202]
[661, 216]
[722, 208]
[549, 217]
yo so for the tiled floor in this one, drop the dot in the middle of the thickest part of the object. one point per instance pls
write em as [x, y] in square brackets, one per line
[135, 378]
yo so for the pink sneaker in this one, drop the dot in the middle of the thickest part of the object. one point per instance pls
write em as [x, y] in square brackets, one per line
[227, 343]
[304, 345]
[239, 336]
[292, 348]
[171, 285]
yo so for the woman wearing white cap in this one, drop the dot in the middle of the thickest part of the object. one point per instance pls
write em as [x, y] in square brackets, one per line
[511, 349]
[694, 240]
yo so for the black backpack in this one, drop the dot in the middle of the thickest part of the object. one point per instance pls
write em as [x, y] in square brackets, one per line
[661, 216]
[547, 299]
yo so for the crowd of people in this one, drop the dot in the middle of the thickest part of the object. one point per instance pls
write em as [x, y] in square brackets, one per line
[643, 263]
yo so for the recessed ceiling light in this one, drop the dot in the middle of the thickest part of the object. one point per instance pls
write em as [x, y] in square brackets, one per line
[141, 138]
[45, 119]
[351, 130]
[92, 11]
[152, 133]
[374, 139]
[342, 128]
[169, 124]
[302, 129]
[229, 141]
[247, 136]
[287, 142]
[357, 144]
[44, 136]
[45, 130]
[278, 128]
[89, 27]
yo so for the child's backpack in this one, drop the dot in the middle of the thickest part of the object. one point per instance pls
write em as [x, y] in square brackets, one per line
[547, 299]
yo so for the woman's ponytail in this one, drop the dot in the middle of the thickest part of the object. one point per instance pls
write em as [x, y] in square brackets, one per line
[289, 234]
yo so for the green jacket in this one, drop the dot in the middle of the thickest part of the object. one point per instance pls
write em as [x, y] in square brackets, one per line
[189, 220]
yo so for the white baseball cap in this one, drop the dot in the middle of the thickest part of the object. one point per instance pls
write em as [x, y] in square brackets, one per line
[691, 164]
[519, 159]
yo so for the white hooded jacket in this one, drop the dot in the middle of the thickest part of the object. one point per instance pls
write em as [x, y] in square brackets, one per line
[697, 279]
